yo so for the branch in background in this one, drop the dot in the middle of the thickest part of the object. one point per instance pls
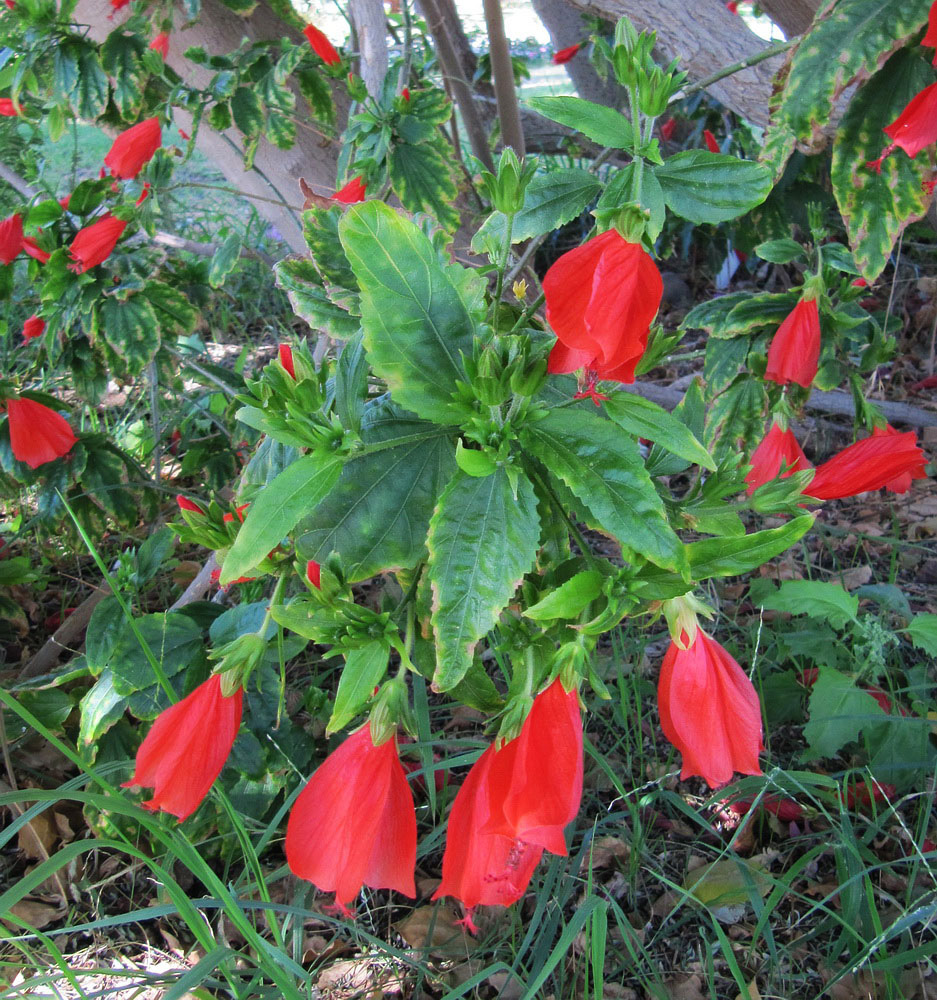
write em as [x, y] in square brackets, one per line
[371, 29]
[503, 73]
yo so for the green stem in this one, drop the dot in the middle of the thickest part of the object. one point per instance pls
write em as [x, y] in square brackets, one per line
[573, 528]
[503, 266]
[737, 67]
[274, 600]
[528, 312]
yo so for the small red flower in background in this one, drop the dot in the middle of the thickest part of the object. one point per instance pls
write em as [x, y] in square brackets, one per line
[94, 244]
[913, 129]
[930, 38]
[8, 108]
[11, 4]
[712, 143]
[667, 129]
[354, 822]
[709, 710]
[33, 327]
[322, 47]
[778, 447]
[190, 505]
[187, 747]
[786, 810]
[353, 191]
[732, 6]
[601, 299]
[64, 202]
[134, 148]
[117, 5]
[564, 55]
[11, 238]
[160, 44]
[875, 462]
[795, 348]
[285, 353]
[314, 573]
[144, 194]
[37, 434]
[184, 135]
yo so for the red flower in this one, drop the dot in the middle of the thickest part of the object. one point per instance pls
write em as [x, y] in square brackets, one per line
[667, 129]
[795, 348]
[94, 243]
[160, 44]
[859, 283]
[144, 194]
[786, 810]
[322, 47]
[187, 747]
[314, 573]
[353, 824]
[7, 108]
[184, 135]
[11, 4]
[709, 711]
[778, 447]
[914, 128]
[711, 143]
[405, 93]
[286, 359]
[190, 505]
[870, 464]
[229, 518]
[33, 327]
[118, 5]
[353, 191]
[37, 434]
[34, 250]
[11, 239]
[930, 38]
[902, 482]
[733, 6]
[601, 298]
[564, 55]
[134, 148]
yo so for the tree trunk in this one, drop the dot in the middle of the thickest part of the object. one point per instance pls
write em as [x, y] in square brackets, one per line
[371, 30]
[793, 17]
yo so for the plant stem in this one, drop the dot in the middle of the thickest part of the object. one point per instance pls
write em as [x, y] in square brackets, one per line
[737, 67]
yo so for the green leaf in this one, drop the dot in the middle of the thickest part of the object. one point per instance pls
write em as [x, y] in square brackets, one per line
[642, 418]
[422, 179]
[732, 556]
[248, 112]
[550, 201]
[120, 58]
[414, 320]
[838, 710]
[781, 251]
[816, 599]
[277, 509]
[603, 468]
[569, 599]
[722, 362]
[101, 707]
[482, 541]
[90, 98]
[175, 640]
[299, 278]
[877, 207]
[603, 125]
[377, 516]
[105, 625]
[65, 72]
[320, 229]
[51, 705]
[130, 327]
[621, 190]
[736, 413]
[711, 187]
[224, 260]
[364, 669]
[173, 310]
[922, 630]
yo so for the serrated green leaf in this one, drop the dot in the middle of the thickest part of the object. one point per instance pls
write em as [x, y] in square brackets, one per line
[90, 97]
[550, 201]
[421, 178]
[723, 360]
[643, 418]
[130, 329]
[816, 599]
[922, 630]
[298, 277]
[482, 540]
[603, 468]
[414, 320]
[65, 71]
[712, 187]
[781, 251]
[364, 669]
[278, 508]
[175, 640]
[120, 58]
[248, 112]
[838, 711]
[224, 260]
[320, 229]
[732, 556]
[736, 413]
[877, 207]
[601, 124]
[173, 310]
[105, 625]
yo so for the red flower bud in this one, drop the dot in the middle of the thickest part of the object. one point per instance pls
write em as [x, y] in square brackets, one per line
[859, 283]
[353, 191]
[795, 348]
[322, 47]
[930, 38]
[286, 359]
[7, 108]
[33, 327]
[93, 244]
[63, 202]
[887, 459]
[37, 434]
[190, 505]
[778, 447]
[314, 573]
[711, 143]
[134, 148]
[732, 6]
[564, 55]
[184, 135]
[667, 129]
[160, 44]
[405, 93]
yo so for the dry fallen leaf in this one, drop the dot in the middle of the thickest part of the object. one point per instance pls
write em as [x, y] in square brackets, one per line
[436, 928]
[36, 838]
[36, 914]
[605, 851]
[751, 993]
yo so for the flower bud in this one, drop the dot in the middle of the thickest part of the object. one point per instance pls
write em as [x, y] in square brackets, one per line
[237, 660]
[390, 708]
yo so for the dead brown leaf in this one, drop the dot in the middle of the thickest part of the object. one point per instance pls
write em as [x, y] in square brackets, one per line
[686, 988]
[856, 577]
[35, 913]
[435, 928]
[751, 993]
[36, 838]
[605, 852]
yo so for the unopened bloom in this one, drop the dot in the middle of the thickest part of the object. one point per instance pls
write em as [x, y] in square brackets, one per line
[314, 573]
[93, 244]
[564, 55]
[322, 47]
[354, 823]
[37, 434]
[353, 191]
[160, 44]
[779, 447]
[117, 5]
[914, 128]
[33, 327]
[667, 129]
[795, 348]
[134, 148]
[285, 353]
[187, 747]
[732, 6]
[869, 464]
[7, 108]
[405, 93]
[186, 504]
[712, 143]
[11, 238]
[709, 711]
[601, 299]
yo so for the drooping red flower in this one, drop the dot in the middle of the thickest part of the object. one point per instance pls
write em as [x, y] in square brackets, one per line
[869, 464]
[64, 202]
[94, 244]
[901, 483]
[11, 238]
[322, 47]
[11, 4]
[160, 44]
[133, 149]
[187, 747]
[186, 504]
[37, 434]
[709, 711]
[354, 822]
[285, 353]
[314, 573]
[7, 108]
[405, 93]
[712, 143]
[601, 299]
[564, 55]
[353, 191]
[913, 129]
[34, 250]
[795, 348]
[667, 129]
[779, 447]
[33, 327]
[930, 38]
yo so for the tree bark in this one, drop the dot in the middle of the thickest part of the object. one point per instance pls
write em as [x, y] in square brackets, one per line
[371, 30]
[793, 17]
